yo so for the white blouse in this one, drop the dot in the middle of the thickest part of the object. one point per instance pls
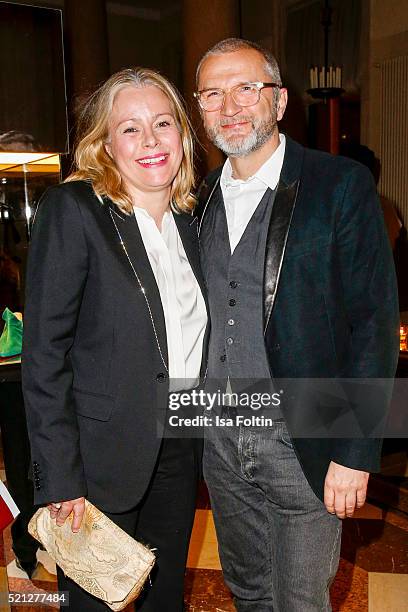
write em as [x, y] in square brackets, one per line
[183, 304]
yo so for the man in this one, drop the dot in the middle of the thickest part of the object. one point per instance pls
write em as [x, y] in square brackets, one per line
[301, 285]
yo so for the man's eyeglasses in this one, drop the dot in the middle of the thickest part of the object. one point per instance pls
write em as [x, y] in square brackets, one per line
[244, 94]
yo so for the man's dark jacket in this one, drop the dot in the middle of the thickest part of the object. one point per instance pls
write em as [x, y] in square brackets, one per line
[330, 299]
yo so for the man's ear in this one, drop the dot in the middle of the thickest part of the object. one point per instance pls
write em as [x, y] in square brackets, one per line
[282, 102]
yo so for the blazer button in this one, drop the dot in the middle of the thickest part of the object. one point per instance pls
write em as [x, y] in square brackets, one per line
[161, 377]
[233, 284]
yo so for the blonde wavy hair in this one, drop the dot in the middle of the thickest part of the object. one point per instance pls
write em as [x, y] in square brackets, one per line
[92, 162]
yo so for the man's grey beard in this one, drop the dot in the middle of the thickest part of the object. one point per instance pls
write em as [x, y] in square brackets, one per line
[261, 133]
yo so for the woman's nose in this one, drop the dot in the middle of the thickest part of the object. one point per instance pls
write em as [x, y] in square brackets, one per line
[151, 139]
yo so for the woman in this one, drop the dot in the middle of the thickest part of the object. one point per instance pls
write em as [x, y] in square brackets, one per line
[114, 312]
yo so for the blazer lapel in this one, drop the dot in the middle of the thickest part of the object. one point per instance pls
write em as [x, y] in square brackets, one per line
[280, 222]
[188, 230]
[135, 257]
[187, 227]
[205, 196]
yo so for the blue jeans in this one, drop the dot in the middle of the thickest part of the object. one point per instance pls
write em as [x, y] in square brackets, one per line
[279, 547]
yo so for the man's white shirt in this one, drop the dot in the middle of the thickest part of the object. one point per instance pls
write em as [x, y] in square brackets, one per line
[241, 198]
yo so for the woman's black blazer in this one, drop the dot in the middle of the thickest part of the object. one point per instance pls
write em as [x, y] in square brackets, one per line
[94, 367]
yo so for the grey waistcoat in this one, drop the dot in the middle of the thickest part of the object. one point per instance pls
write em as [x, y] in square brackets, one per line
[235, 294]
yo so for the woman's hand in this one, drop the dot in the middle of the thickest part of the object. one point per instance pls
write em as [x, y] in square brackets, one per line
[61, 511]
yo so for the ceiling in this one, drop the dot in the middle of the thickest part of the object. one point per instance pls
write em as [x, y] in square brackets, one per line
[144, 8]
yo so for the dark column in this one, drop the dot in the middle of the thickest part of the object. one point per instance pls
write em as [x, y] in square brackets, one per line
[324, 126]
[334, 125]
[86, 46]
[204, 24]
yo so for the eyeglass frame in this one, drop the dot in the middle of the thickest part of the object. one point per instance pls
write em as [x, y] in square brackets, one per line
[258, 84]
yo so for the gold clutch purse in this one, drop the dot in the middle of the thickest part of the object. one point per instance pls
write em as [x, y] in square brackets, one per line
[101, 558]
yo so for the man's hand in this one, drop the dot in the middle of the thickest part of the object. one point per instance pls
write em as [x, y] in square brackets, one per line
[344, 489]
[61, 511]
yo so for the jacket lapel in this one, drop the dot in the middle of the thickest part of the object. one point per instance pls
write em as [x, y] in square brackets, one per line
[280, 222]
[187, 227]
[135, 257]
[188, 230]
[205, 195]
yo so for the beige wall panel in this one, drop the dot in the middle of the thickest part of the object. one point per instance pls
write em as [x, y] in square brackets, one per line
[389, 17]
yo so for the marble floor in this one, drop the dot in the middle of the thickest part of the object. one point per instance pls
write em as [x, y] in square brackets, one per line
[373, 572]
